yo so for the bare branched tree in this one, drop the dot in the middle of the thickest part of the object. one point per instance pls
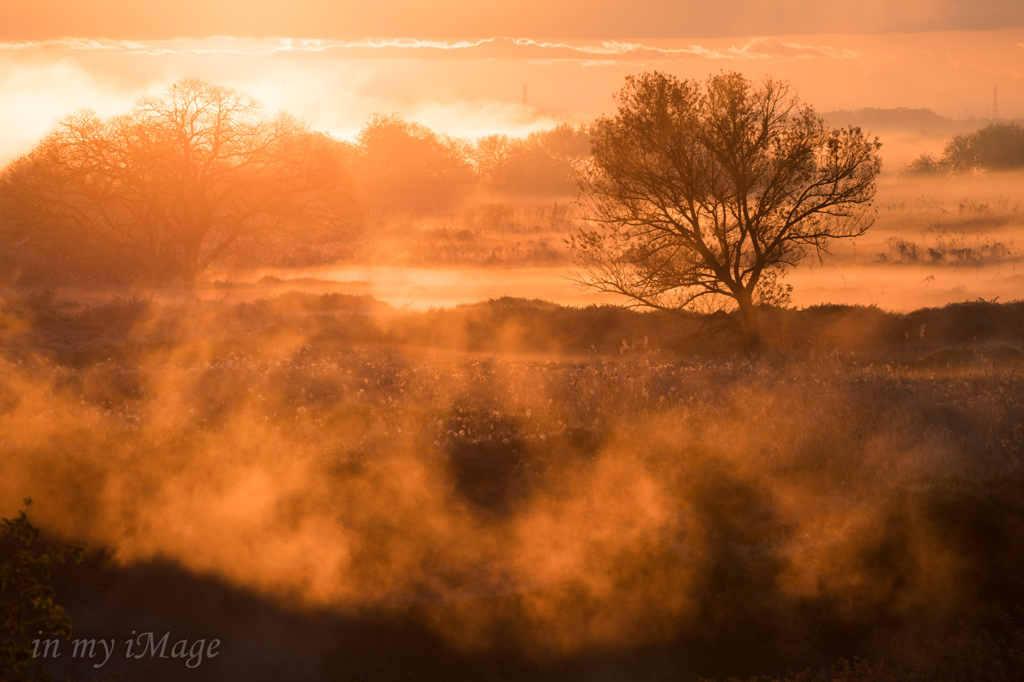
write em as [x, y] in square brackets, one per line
[699, 195]
[170, 186]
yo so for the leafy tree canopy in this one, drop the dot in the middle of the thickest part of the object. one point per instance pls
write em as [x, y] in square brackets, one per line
[169, 187]
[699, 194]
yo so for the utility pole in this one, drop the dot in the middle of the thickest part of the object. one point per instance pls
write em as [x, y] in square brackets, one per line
[995, 102]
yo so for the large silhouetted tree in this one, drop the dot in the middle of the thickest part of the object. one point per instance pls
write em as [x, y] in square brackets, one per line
[699, 194]
[170, 186]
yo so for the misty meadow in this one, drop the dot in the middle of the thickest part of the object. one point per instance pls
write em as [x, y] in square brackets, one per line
[696, 389]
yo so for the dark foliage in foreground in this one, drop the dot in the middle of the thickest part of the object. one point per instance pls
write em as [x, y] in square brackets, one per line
[28, 610]
[968, 656]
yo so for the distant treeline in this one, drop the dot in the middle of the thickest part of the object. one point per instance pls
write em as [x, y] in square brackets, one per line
[202, 173]
[999, 146]
[904, 119]
[400, 165]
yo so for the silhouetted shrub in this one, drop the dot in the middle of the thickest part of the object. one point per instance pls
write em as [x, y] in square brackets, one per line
[998, 146]
[29, 614]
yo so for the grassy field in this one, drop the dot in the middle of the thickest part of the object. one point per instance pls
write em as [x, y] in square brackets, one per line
[933, 241]
[518, 490]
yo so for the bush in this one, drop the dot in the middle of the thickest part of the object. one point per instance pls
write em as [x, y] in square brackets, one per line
[926, 164]
[27, 607]
[999, 146]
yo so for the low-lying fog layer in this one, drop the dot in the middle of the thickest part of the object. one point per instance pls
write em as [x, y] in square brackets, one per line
[558, 506]
[899, 288]
[890, 287]
[934, 241]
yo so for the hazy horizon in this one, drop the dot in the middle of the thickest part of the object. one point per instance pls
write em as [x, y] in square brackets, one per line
[472, 87]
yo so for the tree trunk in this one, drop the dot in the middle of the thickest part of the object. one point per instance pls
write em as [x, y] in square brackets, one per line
[750, 319]
[190, 265]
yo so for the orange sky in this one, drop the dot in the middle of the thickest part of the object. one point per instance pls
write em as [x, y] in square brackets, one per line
[459, 67]
[462, 19]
